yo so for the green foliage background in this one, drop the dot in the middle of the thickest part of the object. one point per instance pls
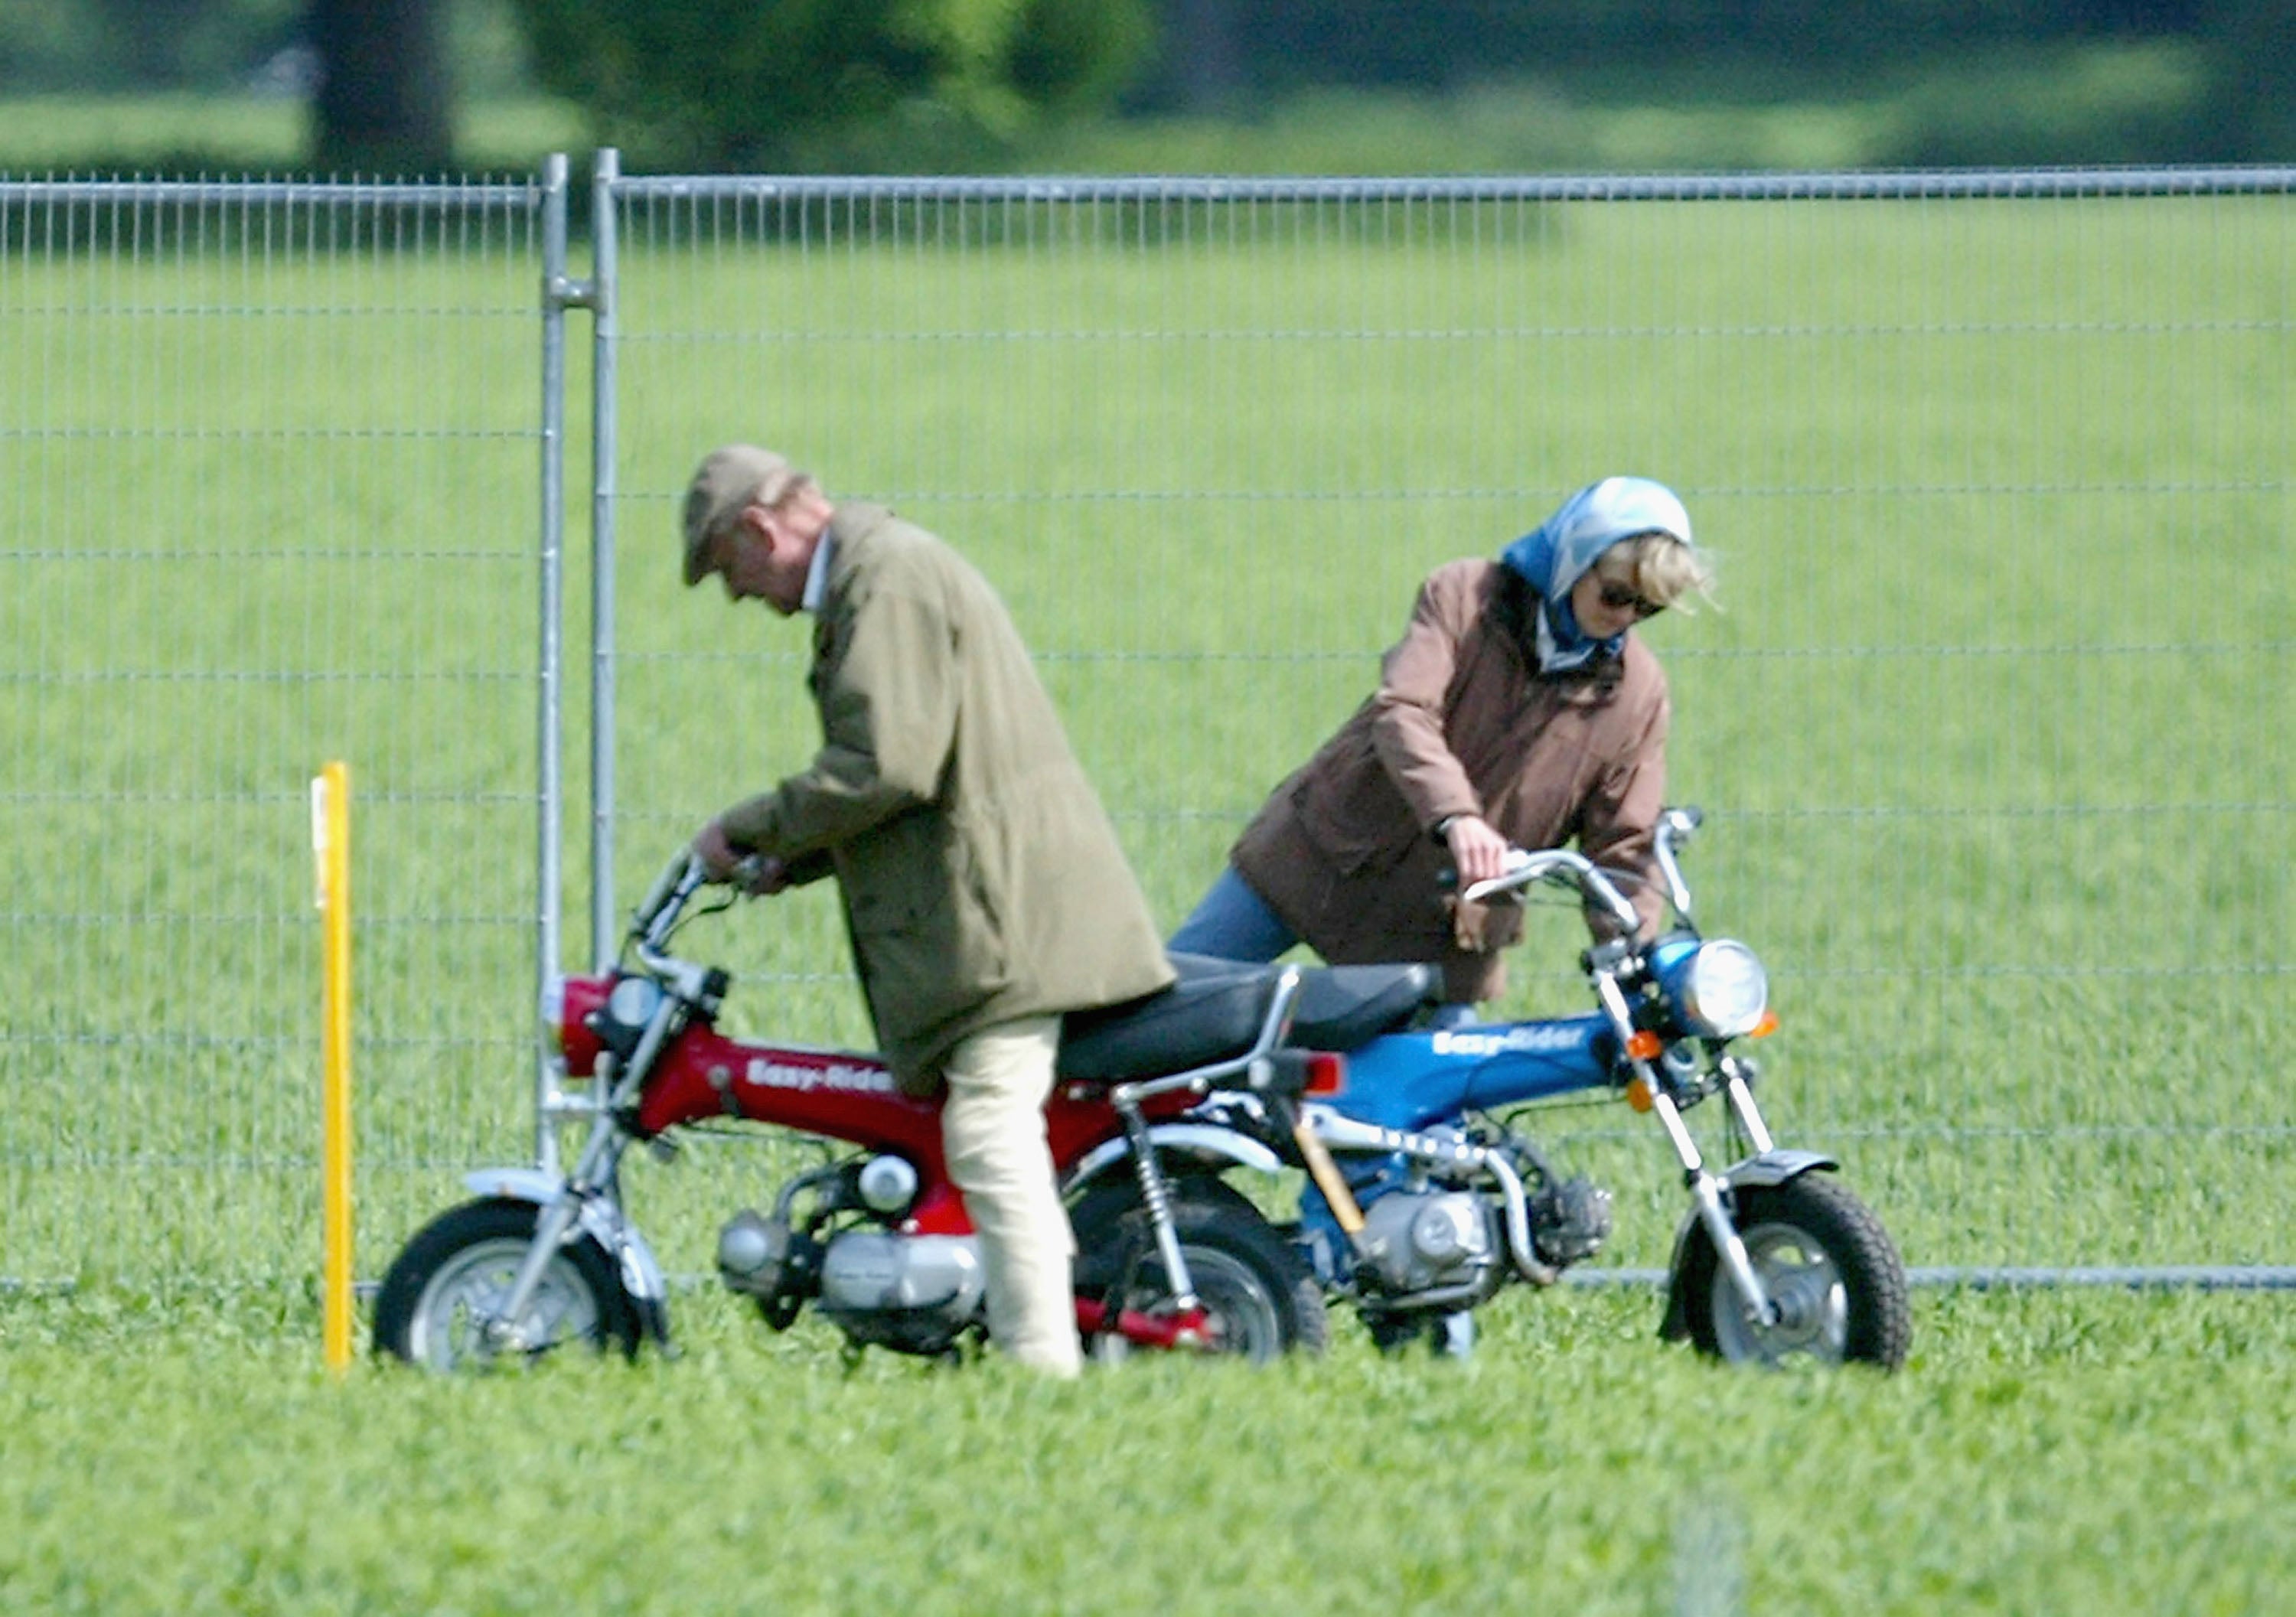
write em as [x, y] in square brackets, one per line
[200, 86]
[833, 85]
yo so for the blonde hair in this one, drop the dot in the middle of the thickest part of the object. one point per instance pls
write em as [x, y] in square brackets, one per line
[1666, 568]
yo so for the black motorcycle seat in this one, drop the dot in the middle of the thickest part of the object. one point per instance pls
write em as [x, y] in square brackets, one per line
[1343, 1006]
[1212, 1013]
[1215, 1010]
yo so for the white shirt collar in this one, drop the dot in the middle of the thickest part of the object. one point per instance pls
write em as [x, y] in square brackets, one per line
[816, 576]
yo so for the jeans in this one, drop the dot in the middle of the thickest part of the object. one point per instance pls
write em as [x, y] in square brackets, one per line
[1233, 922]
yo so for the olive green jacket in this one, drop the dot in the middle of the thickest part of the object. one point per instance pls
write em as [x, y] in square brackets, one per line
[981, 879]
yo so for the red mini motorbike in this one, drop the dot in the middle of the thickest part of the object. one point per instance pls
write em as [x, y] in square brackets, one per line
[1169, 1256]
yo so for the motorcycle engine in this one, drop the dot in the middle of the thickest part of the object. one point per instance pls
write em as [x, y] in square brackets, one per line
[764, 1259]
[1419, 1240]
[1569, 1222]
[914, 1293]
[911, 1293]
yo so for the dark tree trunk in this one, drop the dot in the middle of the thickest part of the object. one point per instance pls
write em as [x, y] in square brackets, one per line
[382, 106]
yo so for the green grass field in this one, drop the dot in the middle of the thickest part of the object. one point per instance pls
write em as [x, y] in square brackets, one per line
[1988, 734]
[2042, 1453]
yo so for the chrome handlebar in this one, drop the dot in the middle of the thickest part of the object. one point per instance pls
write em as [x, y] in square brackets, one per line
[1525, 869]
[1676, 826]
[658, 912]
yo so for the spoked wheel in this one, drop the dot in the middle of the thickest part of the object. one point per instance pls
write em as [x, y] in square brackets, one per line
[1259, 1298]
[1825, 1258]
[446, 1290]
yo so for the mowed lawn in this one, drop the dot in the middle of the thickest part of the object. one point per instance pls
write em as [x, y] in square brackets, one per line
[1986, 731]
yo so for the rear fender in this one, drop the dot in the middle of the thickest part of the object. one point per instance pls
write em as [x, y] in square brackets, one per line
[1203, 1143]
[600, 1219]
[1755, 1172]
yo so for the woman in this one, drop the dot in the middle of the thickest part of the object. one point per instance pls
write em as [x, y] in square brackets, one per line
[1519, 709]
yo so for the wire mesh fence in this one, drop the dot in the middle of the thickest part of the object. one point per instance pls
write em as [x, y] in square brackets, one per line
[1996, 467]
[267, 460]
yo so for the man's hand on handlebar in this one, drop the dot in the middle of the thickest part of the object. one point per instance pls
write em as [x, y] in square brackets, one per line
[756, 874]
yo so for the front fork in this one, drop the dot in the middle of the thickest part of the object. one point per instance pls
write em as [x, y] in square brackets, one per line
[1705, 1189]
[594, 1176]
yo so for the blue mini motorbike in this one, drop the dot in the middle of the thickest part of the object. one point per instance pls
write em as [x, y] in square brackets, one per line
[1423, 1200]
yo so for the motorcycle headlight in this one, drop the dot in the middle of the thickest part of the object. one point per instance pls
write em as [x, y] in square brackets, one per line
[621, 1023]
[1719, 988]
[631, 1004]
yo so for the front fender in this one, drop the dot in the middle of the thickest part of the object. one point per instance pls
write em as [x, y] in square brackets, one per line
[600, 1219]
[1206, 1143]
[1760, 1171]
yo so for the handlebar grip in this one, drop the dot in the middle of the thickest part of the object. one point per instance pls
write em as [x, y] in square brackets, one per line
[1510, 868]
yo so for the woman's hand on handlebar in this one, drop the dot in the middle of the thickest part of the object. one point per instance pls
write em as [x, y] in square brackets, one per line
[1479, 852]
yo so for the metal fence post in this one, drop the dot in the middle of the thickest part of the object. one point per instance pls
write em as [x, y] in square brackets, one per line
[602, 930]
[558, 291]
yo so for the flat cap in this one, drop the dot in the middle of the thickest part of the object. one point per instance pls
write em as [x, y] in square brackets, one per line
[732, 478]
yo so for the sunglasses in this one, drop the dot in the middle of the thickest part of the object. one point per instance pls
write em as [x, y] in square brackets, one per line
[1618, 597]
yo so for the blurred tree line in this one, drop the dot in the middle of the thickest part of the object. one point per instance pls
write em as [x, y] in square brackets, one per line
[1223, 50]
[721, 85]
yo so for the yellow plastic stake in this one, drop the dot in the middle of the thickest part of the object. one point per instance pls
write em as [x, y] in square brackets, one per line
[331, 845]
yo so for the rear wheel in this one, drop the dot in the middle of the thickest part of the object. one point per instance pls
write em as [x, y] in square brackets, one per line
[1259, 1298]
[447, 1285]
[1825, 1258]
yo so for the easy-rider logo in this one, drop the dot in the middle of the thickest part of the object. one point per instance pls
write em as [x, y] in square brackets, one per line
[828, 1075]
[1513, 1041]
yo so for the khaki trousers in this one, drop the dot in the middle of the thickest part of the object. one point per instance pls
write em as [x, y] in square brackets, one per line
[993, 1131]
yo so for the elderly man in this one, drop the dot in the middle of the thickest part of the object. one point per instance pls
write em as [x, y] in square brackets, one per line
[984, 890]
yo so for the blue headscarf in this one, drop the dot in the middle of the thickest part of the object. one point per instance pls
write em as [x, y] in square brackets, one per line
[1555, 555]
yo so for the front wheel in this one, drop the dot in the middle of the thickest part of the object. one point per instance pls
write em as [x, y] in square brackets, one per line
[1825, 1258]
[1259, 1298]
[442, 1300]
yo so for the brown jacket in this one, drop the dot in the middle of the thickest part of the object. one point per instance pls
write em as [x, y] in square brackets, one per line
[981, 879]
[1462, 723]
